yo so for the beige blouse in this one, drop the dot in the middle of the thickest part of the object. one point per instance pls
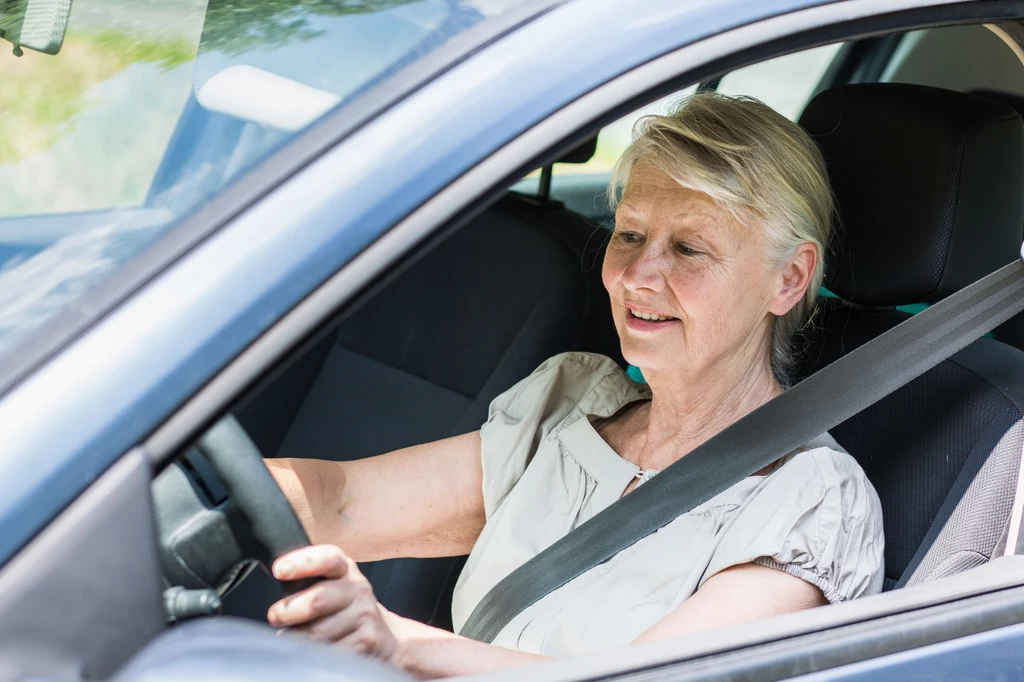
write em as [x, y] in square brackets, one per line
[546, 471]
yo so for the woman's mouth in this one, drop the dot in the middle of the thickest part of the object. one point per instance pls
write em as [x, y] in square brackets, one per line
[642, 320]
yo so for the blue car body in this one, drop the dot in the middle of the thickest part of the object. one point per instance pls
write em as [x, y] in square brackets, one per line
[103, 392]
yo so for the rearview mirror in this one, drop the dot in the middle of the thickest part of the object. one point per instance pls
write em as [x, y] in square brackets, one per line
[36, 24]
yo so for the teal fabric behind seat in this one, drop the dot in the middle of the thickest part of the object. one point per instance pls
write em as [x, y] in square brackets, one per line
[634, 373]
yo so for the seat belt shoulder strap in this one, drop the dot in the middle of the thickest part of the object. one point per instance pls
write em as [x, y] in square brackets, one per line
[815, 405]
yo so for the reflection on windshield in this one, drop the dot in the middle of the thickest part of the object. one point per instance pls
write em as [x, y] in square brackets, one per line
[85, 129]
[153, 106]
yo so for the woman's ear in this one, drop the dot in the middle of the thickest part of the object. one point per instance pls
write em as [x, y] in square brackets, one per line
[794, 279]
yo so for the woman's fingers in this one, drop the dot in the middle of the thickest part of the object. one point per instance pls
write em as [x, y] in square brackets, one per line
[312, 603]
[340, 608]
[318, 561]
[371, 639]
[359, 628]
[336, 626]
[341, 581]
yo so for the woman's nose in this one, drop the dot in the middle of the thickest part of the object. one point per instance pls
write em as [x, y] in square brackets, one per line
[646, 270]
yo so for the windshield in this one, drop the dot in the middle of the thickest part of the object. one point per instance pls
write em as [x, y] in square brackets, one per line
[152, 106]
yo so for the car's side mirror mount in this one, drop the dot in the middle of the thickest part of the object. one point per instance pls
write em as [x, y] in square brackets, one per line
[39, 25]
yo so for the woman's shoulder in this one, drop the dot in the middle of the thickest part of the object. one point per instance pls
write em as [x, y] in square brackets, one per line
[825, 459]
[824, 468]
[815, 516]
[586, 383]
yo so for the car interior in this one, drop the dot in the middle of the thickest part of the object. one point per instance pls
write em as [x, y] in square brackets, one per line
[928, 205]
[421, 358]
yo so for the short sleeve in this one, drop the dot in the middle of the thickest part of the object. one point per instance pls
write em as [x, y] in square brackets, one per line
[521, 418]
[816, 517]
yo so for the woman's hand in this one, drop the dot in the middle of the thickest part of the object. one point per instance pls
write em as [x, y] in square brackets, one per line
[341, 608]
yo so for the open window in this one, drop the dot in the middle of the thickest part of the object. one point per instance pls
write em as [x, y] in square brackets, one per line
[519, 280]
[396, 359]
[417, 351]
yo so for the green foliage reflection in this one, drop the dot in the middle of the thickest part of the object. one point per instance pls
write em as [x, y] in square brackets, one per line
[41, 94]
[130, 49]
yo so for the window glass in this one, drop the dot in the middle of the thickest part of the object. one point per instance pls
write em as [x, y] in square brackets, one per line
[935, 57]
[150, 107]
[615, 137]
[785, 83]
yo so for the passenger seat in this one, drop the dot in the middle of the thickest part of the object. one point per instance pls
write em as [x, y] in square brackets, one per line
[928, 183]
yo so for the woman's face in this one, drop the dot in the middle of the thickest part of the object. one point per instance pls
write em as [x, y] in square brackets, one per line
[706, 278]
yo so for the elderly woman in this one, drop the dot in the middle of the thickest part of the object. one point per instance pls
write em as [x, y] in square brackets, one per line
[714, 264]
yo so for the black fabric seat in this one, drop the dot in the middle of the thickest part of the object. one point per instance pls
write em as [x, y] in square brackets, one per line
[1012, 331]
[928, 189]
[425, 356]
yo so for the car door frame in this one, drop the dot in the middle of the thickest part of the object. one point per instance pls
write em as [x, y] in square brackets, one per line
[444, 211]
[981, 604]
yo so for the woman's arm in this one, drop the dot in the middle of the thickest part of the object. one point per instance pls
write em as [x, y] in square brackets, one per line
[422, 501]
[736, 595]
[343, 609]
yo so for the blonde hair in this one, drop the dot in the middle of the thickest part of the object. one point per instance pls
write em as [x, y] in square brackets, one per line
[755, 163]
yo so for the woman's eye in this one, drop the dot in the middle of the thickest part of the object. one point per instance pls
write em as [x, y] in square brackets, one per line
[686, 250]
[629, 237]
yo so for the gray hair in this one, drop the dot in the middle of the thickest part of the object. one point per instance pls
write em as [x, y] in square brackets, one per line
[758, 165]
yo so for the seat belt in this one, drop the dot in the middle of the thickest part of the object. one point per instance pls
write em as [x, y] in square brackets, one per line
[818, 403]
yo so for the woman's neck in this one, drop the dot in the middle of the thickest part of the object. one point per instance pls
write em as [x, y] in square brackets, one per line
[685, 411]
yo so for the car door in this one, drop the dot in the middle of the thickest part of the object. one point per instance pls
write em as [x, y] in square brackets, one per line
[256, 269]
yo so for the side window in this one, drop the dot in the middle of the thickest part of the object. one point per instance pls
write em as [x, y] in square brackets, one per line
[784, 83]
[935, 57]
[581, 186]
[615, 137]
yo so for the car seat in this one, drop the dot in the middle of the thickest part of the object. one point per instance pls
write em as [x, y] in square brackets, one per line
[927, 183]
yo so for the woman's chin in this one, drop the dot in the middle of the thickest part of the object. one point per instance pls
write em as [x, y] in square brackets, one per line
[646, 357]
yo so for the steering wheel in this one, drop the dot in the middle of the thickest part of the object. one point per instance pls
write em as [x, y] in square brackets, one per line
[220, 513]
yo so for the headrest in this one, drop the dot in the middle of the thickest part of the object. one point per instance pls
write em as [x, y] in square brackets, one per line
[581, 153]
[929, 186]
[1015, 102]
